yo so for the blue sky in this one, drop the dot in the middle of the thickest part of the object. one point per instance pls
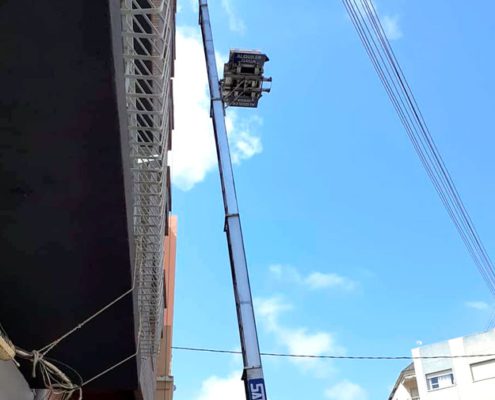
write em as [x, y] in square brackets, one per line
[350, 250]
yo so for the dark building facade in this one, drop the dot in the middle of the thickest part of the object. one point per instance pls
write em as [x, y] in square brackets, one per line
[85, 122]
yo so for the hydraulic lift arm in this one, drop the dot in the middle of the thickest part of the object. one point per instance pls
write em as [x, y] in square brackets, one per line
[253, 370]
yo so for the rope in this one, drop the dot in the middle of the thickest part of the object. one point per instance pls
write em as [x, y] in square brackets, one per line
[50, 346]
[109, 369]
[56, 381]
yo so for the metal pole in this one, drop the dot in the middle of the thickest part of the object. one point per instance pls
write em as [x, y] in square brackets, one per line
[253, 371]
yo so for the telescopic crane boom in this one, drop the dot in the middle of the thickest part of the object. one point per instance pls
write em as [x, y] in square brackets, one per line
[241, 86]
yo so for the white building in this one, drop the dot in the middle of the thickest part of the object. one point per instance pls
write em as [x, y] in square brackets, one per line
[406, 387]
[457, 378]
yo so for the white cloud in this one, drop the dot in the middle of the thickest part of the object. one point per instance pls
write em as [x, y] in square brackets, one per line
[346, 390]
[313, 281]
[390, 23]
[478, 305]
[285, 272]
[193, 153]
[236, 24]
[299, 340]
[193, 147]
[243, 144]
[269, 309]
[318, 280]
[391, 27]
[303, 342]
[194, 4]
[215, 388]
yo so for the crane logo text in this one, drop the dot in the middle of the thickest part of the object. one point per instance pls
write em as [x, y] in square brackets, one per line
[257, 389]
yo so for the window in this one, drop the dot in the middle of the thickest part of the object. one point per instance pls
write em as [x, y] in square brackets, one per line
[483, 370]
[440, 380]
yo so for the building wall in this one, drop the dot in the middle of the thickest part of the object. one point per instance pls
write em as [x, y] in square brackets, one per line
[13, 386]
[406, 387]
[63, 196]
[165, 380]
[465, 387]
[401, 394]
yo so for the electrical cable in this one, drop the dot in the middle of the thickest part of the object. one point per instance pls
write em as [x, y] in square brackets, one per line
[334, 357]
[365, 19]
[406, 119]
[491, 322]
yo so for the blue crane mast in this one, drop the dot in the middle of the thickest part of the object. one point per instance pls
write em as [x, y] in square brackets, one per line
[241, 86]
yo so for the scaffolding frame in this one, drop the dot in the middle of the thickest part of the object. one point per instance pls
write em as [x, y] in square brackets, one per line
[148, 34]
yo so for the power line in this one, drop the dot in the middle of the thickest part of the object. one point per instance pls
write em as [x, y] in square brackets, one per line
[365, 19]
[333, 357]
[491, 322]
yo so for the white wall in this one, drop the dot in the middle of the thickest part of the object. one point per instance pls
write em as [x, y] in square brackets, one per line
[13, 386]
[465, 387]
[401, 394]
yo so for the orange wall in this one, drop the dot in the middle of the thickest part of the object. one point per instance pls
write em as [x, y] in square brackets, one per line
[165, 382]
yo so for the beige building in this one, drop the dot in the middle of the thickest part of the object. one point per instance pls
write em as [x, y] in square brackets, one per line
[456, 378]
[406, 387]
[164, 378]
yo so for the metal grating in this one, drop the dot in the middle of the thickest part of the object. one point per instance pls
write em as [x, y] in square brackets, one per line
[148, 28]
